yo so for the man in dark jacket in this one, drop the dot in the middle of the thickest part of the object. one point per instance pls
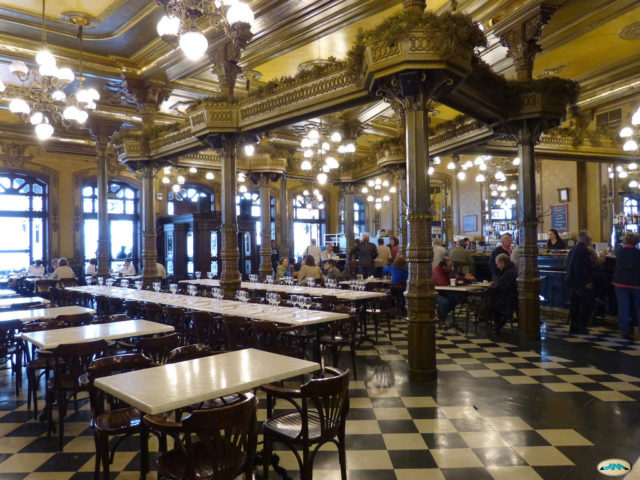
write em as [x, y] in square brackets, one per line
[506, 300]
[581, 264]
[504, 247]
[366, 252]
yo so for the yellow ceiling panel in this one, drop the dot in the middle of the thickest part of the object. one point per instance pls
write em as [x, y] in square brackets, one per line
[593, 51]
[55, 8]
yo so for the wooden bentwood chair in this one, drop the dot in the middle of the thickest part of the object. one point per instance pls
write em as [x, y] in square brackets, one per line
[320, 417]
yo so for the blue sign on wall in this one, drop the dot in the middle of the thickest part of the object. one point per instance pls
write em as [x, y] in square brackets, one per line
[560, 218]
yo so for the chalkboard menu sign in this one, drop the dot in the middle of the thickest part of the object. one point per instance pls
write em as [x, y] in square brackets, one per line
[560, 218]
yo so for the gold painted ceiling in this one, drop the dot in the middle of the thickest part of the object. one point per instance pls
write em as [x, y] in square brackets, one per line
[581, 42]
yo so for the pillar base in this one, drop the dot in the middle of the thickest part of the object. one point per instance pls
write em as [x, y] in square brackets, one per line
[529, 308]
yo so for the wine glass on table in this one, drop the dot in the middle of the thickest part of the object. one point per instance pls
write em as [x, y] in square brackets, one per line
[173, 288]
[209, 275]
[156, 286]
[138, 284]
[198, 275]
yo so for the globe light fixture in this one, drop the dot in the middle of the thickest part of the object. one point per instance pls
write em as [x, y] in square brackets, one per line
[193, 44]
[209, 176]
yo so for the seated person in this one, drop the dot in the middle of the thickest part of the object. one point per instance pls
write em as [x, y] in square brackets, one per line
[128, 269]
[91, 270]
[329, 254]
[309, 269]
[160, 271]
[63, 270]
[36, 269]
[446, 301]
[398, 271]
[54, 265]
[461, 256]
[333, 273]
[283, 269]
[506, 300]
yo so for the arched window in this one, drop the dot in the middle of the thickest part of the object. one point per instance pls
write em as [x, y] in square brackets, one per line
[189, 199]
[124, 220]
[248, 204]
[359, 217]
[23, 216]
[309, 221]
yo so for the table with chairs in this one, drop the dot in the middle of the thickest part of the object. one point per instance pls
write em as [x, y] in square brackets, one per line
[8, 293]
[16, 303]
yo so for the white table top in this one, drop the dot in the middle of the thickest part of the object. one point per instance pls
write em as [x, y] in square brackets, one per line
[286, 315]
[8, 293]
[42, 313]
[49, 339]
[464, 288]
[8, 302]
[350, 295]
[168, 387]
[369, 280]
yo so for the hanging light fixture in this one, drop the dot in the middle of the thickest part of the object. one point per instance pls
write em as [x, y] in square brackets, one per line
[179, 25]
[320, 150]
[41, 99]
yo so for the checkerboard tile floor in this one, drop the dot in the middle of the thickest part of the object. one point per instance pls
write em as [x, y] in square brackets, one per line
[497, 411]
[601, 337]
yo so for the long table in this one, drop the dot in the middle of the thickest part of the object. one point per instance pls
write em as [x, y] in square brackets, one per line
[49, 339]
[6, 303]
[8, 293]
[350, 295]
[42, 313]
[169, 387]
[286, 315]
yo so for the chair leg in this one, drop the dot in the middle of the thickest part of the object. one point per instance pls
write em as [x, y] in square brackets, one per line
[307, 468]
[342, 455]
[266, 457]
[62, 411]
[104, 441]
[96, 438]
[353, 360]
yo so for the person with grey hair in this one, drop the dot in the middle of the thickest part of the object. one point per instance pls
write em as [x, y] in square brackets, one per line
[506, 299]
[505, 247]
[439, 252]
[581, 264]
[463, 262]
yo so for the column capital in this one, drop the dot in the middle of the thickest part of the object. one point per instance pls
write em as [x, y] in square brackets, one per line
[102, 129]
[520, 33]
[417, 6]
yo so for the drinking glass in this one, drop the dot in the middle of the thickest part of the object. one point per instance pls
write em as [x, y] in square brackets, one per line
[270, 279]
[156, 286]
[276, 300]
[307, 303]
[124, 283]
[198, 275]
[209, 275]
[173, 288]
[310, 282]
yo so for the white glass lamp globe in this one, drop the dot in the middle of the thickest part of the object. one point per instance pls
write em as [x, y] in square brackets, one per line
[70, 113]
[322, 178]
[59, 96]
[44, 130]
[65, 74]
[305, 165]
[626, 132]
[462, 175]
[332, 162]
[166, 180]
[48, 70]
[209, 176]
[451, 166]
[36, 118]
[516, 161]
[480, 178]
[175, 188]
[635, 119]
[45, 57]
[240, 12]
[168, 25]
[249, 150]
[18, 105]
[193, 44]
[430, 171]
[81, 117]
[629, 145]
[336, 137]
[2, 86]
[181, 180]
[18, 67]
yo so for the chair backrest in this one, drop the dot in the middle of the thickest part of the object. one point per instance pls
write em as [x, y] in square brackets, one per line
[154, 313]
[8, 340]
[103, 367]
[73, 359]
[206, 329]
[116, 305]
[329, 398]
[190, 352]
[134, 308]
[26, 306]
[102, 305]
[237, 332]
[67, 282]
[228, 433]
[76, 319]
[329, 301]
[265, 335]
[158, 348]
[347, 328]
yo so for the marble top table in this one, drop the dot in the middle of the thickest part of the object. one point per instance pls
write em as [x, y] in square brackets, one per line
[49, 339]
[42, 313]
[286, 315]
[350, 295]
[8, 293]
[14, 303]
[472, 287]
[168, 387]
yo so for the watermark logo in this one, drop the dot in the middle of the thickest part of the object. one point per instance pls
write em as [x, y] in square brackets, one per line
[614, 467]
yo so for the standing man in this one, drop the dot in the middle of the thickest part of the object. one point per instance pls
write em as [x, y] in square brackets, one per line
[366, 252]
[461, 257]
[384, 255]
[504, 247]
[581, 264]
[314, 251]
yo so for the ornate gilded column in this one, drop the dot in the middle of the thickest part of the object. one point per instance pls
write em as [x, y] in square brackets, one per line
[102, 130]
[420, 294]
[284, 218]
[229, 273]
[348, 190]
[520, 32]
[402, 212]
[149, 235]
[104, 254]
[265, 225]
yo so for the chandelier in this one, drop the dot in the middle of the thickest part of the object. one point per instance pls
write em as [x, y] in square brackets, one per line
[179, 25]
[41, 98]
[320, 151]
[378, 191]
[631, 134]
[310, 200]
